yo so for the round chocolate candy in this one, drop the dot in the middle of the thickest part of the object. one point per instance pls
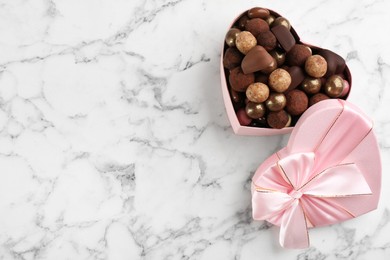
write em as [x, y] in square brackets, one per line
[317, 98]
[278, 119]
[316, 66]
[275, 101]
[267, 39]
[279, 55]
[257, 92]
[297, 102]
[242, 22]
[242, 117]
[256, 26]
[245, 41]
[334, 86]
[311, 85]
[255, 110]
[240, 81]
[231, 35]
[282, 21]
[270, 19]
[259, 122]
[298, 55]
[258, 12]
[232, 58]
[279, 80]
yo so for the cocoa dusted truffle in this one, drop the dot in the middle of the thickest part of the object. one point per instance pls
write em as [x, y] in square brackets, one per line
[278, 119]
[297, 102]
[256, 26]
[257, 92]
[317, 98]
[245, 41]
[267, 39]
[232, 58]
[298, 55]
[316, 66]
[240, 81]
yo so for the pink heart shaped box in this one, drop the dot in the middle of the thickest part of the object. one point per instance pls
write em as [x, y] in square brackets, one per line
[330, 171]
[249, 130]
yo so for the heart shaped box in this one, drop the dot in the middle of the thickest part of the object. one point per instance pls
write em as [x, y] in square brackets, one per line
[258, 131]
[329, 172]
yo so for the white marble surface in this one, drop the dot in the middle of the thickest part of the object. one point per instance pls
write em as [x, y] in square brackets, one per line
[115, 144]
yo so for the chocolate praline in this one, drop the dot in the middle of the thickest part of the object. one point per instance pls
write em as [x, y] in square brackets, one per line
[267, 39]
[231, 36]
[316, 66]
[278, 119]
[245, 41]
[257, 92]
[243, 118]
[258, 12]
[298, 55]
[256, 26]
[282, 21]
[317, 98]
[279, 80]
[311, 85]
[242, 22]
[255, 110]
[275, 101]
[334, 86]
[297, 102]
[279, 55]
[240, 81]
[232, 58]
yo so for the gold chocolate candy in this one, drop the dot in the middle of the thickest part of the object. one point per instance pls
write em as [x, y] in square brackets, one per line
[276, 101]
[334, 86]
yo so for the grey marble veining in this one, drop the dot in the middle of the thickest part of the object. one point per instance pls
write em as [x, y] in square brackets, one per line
[114, 140]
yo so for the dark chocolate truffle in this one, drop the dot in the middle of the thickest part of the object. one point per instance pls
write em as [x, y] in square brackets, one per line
[297, 102]
[267, 39]
[278, 119]
[298, 55]
[232, 58]
[317, 98]
[240, 81]
[256, 26]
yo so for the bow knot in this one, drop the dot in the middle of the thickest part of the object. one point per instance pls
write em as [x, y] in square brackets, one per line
[279, 195]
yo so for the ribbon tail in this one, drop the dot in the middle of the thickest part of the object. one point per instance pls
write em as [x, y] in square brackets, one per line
[293, 231]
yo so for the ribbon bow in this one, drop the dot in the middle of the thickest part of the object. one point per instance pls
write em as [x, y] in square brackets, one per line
[299, 195]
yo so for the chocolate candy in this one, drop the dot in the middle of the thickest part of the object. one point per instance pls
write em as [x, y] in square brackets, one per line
[258, 12]
[279, 55]
[257, 59]
[242, 22]
[257, 92]
[245, 41]
[267, 39]
[279, 80]
[282, 21]
[240, 81]
[232, 58]
[276, 101]
[297, 76]
[334, 86]
[317, 98]
[284, 37]
[297, 102]
[316, 66]
[231, 36]
[242, 117]
[311, 85]
[255, 110]
[256, 26]
[278, 119]
[335, 63]
[298, 55]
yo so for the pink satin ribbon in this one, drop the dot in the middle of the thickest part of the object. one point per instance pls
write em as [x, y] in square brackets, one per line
[308, 187]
